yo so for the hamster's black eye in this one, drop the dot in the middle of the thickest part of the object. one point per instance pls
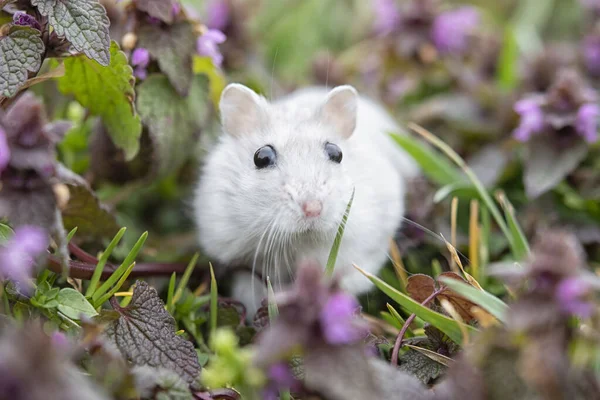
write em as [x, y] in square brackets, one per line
[265, 157]
[333, 152]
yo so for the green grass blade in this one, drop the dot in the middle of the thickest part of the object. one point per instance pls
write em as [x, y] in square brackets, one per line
[185, 278]
[434, 167]
[214, 296]
[102, 262]
[449, 326]
[170, 293]
[521, 244]
[395, 314]
[271, 304]
[71, 234]
[338, 239]
[116, 288]
[483, 193]
[483, 299]
[114, 277]
[507, 73]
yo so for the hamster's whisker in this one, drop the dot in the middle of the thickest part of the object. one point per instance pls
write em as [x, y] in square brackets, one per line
[434, 235]
[256, 252]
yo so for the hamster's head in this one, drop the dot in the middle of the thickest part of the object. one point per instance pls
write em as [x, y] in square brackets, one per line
[286, 163]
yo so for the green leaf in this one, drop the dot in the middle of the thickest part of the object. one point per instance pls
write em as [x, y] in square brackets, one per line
[521, 244]
[421, 366]
[102, 262]
[459, 189]
[338, 239]
[485, 300]
[72, 303]
[506, 75]
[447, 325]
[20, 51]
[107, 92]
[83, 22]
[214, 293]
[6, 233]
[161, 9]
[115, 276]
[174, 122]
[434, 167]
[85, 212]
[271, 304]
[547, 163]
[173, 47]
[216, 79]
[145, 335]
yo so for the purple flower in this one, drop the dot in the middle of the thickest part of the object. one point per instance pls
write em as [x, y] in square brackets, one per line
[17, 257]
[217, 14]
[4, 150]
[280, 377]
[207, 45]
[591, 54]
[24, 19]
[140, 58]
[570, 295]
[532, 119]
[337, 320]
[387, 16]
[59, 340]
[175, 9]
[450, 30]
[587, 122]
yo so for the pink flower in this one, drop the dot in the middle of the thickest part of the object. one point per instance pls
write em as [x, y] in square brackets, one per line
[570, 294]
[338, 320]
[206, 45]
[451, 30]
[591, 54]
[18, 255]
[532, 119]
[217, 14]
[387, 16]
[140, 58]
[587, 122]
[4, 150]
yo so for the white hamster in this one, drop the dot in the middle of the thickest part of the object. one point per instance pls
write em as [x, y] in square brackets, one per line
[273, 190]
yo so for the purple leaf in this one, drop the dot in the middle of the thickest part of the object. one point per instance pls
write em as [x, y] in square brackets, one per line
[173, 47]
[145, 335]
[547, 163]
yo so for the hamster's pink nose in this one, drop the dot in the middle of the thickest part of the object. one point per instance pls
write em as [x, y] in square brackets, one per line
[312, 208]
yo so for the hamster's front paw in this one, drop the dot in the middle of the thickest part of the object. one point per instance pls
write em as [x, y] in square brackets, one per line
[249, 290]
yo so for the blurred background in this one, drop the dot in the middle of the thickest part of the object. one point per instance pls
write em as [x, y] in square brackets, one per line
[511, 86]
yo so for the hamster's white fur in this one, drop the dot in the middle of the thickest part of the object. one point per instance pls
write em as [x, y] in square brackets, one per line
[254, 217]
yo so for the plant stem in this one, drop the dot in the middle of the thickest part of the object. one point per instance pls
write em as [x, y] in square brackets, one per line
[409, 321]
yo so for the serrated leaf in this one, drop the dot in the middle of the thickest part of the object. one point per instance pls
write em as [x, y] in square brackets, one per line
[421, 366]
[161, 9]
[72, 303]
[228, 316]
[174, 122]
[85, 212]
[83, 22]
[145, 335]
[20, 51]
[548, 163]
[107, 92]
[173, 47]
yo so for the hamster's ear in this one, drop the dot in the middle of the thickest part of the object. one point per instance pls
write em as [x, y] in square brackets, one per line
[339, 110]
[242, 110]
